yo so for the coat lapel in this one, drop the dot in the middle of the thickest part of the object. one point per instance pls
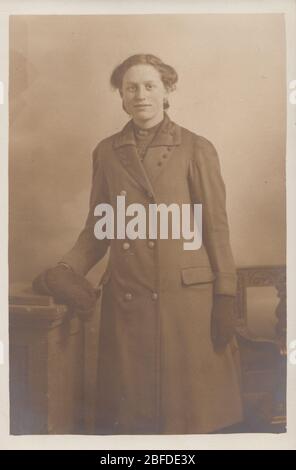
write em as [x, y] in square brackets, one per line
[126, 150]
[161, 149]
[157, 157]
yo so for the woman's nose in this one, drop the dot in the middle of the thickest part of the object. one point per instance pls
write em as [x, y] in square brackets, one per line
[140, 93]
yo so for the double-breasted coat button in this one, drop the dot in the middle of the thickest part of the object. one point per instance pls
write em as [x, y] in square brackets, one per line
[128, 296]
[154, 296]
[164, 155]
[126, 245]
[123, 192]
[159, 163]
[151, 244]
[149, 194]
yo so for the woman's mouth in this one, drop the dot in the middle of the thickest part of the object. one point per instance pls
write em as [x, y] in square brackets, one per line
[142, 105]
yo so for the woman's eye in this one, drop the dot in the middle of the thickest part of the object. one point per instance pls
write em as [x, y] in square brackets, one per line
[149, 86]
[131, 88]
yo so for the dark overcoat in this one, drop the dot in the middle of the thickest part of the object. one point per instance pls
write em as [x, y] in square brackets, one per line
[158, 371]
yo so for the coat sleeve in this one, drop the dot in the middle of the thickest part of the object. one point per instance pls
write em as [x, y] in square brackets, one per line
[207, 187]
[88, 250]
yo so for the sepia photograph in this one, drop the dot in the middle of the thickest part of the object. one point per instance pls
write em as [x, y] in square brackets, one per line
[147, 224]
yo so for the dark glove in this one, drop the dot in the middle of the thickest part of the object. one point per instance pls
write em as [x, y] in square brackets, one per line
[223, 321]
[67, 287]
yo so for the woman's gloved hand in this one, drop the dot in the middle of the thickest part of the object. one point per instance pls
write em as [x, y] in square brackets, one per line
[67, 287]
[223, 320]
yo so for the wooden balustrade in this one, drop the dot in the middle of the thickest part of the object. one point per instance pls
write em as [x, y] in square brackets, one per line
[263, 360]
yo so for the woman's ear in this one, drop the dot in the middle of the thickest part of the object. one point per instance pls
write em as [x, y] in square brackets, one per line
[165, 99]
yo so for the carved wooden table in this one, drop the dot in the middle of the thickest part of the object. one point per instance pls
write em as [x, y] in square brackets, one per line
[46, 365]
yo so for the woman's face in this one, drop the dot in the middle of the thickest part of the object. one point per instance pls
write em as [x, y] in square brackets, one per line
[143, 94]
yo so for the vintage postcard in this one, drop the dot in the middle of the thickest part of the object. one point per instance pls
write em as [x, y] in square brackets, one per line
[148, 168]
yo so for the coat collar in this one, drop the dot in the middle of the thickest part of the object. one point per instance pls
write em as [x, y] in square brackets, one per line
[169, 134]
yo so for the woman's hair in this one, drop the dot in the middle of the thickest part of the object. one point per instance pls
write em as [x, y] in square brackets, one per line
[167, 73]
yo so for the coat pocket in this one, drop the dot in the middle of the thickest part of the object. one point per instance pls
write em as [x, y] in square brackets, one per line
[196, 275]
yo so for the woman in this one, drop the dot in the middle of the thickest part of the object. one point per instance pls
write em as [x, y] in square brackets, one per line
[167, 358]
